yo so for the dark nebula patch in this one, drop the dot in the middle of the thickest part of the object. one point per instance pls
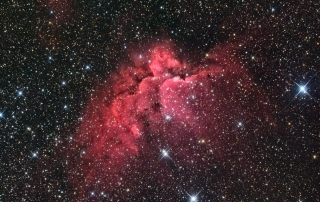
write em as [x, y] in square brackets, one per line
[153, 119]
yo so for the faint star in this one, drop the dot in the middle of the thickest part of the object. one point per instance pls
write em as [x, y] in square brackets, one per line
[168, 117]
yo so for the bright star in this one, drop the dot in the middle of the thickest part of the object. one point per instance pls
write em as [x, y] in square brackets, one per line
[302, 89]
[20, 93]
[193, 198]
[34, 154]
[165, 154]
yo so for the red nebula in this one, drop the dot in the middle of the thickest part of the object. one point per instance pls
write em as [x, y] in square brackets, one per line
[160, 102]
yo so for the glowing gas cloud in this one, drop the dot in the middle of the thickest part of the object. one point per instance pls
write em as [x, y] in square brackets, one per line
[161, 102]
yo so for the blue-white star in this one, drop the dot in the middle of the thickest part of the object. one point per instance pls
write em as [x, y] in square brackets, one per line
[19, 93]
[165, 154]
[302, 88]
[193, 198]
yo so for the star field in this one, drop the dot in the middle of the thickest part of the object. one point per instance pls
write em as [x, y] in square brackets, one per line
[229, 109]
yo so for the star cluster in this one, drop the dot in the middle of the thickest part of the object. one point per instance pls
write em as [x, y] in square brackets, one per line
[56, 55]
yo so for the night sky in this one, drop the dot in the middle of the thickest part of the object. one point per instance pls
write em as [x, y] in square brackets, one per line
[159, 100]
